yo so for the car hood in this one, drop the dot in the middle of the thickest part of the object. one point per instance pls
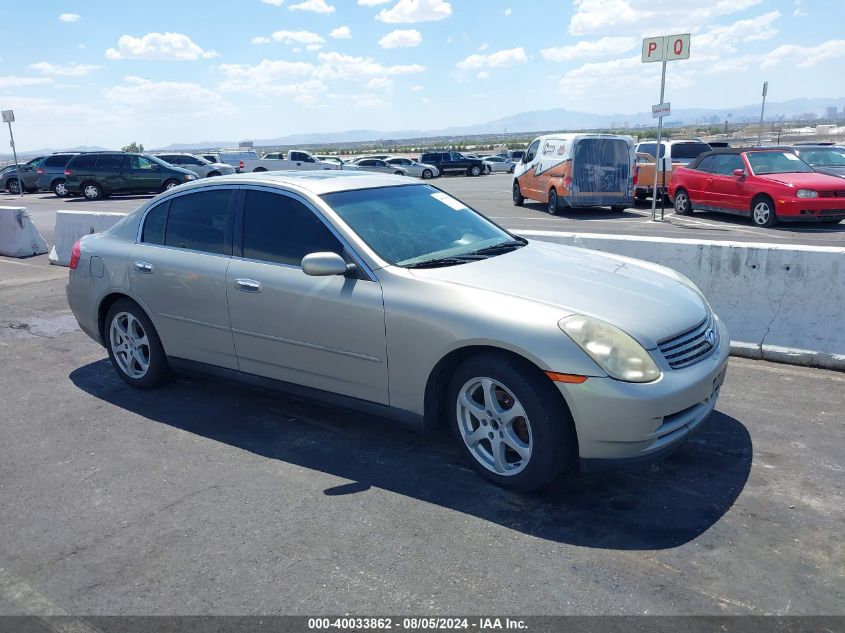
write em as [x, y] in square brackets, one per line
[647, 301]
[803, 181]
[831, 170]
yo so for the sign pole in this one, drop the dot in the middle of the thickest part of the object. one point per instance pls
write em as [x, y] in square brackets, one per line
[657, 159]
[15, 155]
[762, 109]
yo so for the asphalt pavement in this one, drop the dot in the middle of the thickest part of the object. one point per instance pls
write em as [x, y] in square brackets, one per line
[209, 498]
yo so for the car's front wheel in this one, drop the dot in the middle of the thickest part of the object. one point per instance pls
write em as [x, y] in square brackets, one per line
[14, 186]
[518, 198]
[475, 170]
[508, 423]
[426, 174]
[763, 212]
[135, 349]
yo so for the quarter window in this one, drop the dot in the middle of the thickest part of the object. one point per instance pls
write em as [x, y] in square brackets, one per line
[199, 221]
[154, 224]
[278, 228]
[707, 163]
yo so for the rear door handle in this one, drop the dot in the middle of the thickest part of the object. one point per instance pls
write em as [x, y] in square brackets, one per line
[248, 285]
[144, 267]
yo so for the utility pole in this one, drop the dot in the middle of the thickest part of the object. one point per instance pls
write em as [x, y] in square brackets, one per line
[9, 117]
[762, 110]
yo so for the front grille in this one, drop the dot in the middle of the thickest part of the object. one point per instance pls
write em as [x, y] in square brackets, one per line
[832, 212]
[690, 346]
[832, 194]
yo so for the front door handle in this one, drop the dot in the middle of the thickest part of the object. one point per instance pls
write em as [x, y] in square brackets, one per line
[248, 285]
[144, 267]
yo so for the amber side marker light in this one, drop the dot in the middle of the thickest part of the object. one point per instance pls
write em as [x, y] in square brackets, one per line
[570, 378]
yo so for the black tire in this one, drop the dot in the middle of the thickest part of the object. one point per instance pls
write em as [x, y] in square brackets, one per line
[398, 173]
[553, 204]
[158, 369]
[758, 216]
[475, 170]
[488, 169]
[640, 195]
[683, 203]
[512, 169]
[518, 199]
[91, 191]
[257, 169]
[13, 186]
[213, 174]
[547, 424]
[427, 174]
[618, 209]
[169, 184]
[59, 189]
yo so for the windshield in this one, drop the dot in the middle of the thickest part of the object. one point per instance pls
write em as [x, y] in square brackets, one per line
[414, 224]
[776, 163]
[824, 157]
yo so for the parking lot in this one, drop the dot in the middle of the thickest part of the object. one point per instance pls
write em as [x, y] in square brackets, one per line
[198, 499]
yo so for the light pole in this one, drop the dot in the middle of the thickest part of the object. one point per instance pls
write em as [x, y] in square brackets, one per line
[762, 109]
[9, 117]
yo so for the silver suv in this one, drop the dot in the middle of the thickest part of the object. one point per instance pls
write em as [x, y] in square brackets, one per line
[200, 166]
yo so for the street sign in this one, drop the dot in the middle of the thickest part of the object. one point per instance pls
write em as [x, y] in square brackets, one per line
[661, 110]
[8, 116]
[665, 48]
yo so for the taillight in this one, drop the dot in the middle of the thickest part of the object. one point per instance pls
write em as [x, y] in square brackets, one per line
[242, 165]
[39, 171]
[75, 254]
[636, 174]
[567, 182]
[68, 172]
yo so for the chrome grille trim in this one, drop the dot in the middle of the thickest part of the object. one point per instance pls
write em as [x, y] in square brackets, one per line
[690, 346]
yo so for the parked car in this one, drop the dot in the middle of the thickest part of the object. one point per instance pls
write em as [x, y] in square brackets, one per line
[576, 170]
[825, 159]
[680, 152]
[516, 155]
[28, 177]
[50, 173]
[413, 168]
[453, 163]
[200, 166]
[537, 357]
[97, 175]
[378, 166]
[498, 164]
[337, 160]
[236, 158]
[211, 158]
[767, 185]
[295, 160]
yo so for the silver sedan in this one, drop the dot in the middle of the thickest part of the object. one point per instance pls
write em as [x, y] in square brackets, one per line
[391, 296]
[415, 169]
[498, 164]
[378, 166]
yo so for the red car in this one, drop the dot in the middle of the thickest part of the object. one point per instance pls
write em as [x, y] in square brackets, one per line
[769, 186]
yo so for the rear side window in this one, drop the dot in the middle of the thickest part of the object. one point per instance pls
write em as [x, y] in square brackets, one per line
[86, 161]
[154, 224]
[278, 228]
[110, 162]
[689, 150]
[199, 221]
[707, 163]
[56, 161]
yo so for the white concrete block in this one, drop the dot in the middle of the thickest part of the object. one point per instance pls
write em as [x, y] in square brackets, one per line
[781, 302]
[72, 225]
[18, 235]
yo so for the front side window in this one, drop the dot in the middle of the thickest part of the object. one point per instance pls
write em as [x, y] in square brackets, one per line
[412, 224]
[199, 221]
[776, 163]
[281, 229]
[141, 163]
[727, 163]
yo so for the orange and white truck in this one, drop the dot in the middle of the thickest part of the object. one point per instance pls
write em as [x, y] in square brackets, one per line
[672, 153]
[576, 170]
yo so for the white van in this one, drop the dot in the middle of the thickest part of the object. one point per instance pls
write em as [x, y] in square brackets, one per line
[577, 170]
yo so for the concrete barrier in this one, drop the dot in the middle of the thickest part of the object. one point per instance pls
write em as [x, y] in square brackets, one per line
[71, 225]
[783, 303]
[18, 235]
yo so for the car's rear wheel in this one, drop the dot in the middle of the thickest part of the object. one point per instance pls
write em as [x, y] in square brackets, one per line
[14, 186]
[259, 169]
[617, 209]
[508, 423]
[512, 169]
[488, 169]
[475, 170]
[212, 174]
[92, 191]
[170, 184]
[683, 204]
[398, 173]
[60, 189]
[135, 349]
[553, 202]
[641, 195]
[426, 174]
[518, 199]
[763, 212]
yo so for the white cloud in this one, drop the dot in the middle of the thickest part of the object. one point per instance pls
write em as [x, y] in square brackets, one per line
[379, 83]
[313, 47]
[13, 81]
[313, 6]
[298, 37]
[171, 97]
[723, 39]
[159, 47]
[632, 16]
[372, 3]
[412, 11]
[605, 45]
[483, 75]
[499, 59]
[275, 3]
[69, 17]
[70, 70]
[401, 39]
[263, 78]
[260, 40]
[416, 88]
[508, 11]
[341, 33]
[804, 56]
[338, 66]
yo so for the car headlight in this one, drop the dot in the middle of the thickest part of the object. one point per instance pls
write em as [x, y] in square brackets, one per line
[190, 177]
[614, 351]
[807, 193]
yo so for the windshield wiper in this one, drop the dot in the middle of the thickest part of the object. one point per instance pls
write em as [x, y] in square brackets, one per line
[453, 260]
[503, 246]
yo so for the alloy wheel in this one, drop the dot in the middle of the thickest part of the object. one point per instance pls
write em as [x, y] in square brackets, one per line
[762, 213]
[130, 345]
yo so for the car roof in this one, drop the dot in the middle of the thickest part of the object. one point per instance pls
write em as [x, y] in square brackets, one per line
[735, 150]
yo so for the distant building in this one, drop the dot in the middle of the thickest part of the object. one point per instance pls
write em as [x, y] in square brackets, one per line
[830, 113]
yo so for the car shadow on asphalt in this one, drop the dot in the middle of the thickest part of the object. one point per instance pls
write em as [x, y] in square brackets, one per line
[586, 213]
[662, 506]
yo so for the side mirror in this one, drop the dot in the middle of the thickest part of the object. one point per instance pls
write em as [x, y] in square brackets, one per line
[739, 173]
[324, 265]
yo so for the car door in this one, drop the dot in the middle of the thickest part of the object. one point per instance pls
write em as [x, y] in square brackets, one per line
[726, 190]
[321, 332]
[698, 183]
[528, 180]
[178, 270]
[141, 174]
[111, 173]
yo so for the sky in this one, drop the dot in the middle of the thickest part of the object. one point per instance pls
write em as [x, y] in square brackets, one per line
[92, 72]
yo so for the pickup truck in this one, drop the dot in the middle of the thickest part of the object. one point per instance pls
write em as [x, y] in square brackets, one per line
[276, 161]
[680, 153]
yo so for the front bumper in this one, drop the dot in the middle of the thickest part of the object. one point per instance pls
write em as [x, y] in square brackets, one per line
[619, 424]
[810, 209]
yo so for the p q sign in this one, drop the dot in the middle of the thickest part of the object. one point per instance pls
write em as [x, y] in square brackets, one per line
[666, 48]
